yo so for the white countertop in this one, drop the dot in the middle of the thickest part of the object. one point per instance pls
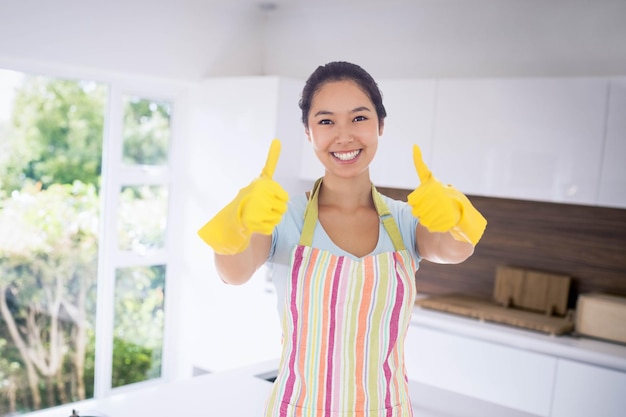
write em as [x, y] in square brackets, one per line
[581, 349]
[234, 393]
[241, 393]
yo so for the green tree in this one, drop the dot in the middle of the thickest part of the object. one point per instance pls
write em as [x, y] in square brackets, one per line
[49, 176]
[48, 267]
[56, 134]
[146, 132]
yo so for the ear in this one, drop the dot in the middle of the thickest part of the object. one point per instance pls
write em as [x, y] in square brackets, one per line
[308, 134]
[381, 127]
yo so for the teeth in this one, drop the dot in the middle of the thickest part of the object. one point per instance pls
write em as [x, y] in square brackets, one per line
[346, 156]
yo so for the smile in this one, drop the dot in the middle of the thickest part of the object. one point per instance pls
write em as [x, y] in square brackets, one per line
[346, 156]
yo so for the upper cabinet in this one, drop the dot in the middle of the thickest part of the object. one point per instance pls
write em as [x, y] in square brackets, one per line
[612, 190]
[410, 115]
[545, 139]
[531, 139]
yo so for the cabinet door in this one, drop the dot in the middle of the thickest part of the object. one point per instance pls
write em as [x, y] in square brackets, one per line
[410, 106]
[613, 180]
[583, 390]
[533, 139]
[498, 374]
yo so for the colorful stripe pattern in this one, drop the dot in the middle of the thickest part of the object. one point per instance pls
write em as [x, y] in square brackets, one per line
[344, 327]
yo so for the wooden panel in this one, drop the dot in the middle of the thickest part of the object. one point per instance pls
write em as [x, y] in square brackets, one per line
[602, 316]
[586, 243]
[533, 290]
[487, 310]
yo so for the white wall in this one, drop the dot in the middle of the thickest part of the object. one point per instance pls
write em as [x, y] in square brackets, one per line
[193, 39]
[183, 39]
[453, 38]
[228, 124]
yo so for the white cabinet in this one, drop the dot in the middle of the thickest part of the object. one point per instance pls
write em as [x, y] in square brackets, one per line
[543, 139]
[410, 113]
[533, 139]
[612, 190]
[529, 372]
[583, 390]
[488, 371]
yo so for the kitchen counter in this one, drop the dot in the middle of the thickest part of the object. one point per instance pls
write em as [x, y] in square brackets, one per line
[581, 349]
[242, 393]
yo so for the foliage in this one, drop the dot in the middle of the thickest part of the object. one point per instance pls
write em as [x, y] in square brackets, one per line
[48, 267]
[130, 363]
[56, 136]
[146, 132]
[50, 171]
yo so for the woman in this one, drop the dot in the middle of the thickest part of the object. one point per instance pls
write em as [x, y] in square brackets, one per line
[343, 257]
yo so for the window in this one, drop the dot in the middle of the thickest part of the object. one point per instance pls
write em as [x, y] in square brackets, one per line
[84, 208]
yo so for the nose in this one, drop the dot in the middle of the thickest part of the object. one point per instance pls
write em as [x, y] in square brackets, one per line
[344, 134]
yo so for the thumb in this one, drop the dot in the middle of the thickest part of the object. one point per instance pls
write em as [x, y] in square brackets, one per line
[423, 172]
[272, 160]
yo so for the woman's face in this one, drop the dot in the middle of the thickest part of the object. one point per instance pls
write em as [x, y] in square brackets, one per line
[343, 128]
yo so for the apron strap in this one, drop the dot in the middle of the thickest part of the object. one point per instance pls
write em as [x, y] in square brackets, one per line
[389, 223]
[311, 215]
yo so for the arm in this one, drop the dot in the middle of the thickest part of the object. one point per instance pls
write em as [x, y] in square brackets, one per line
[237, 269]
[441, 248]
[241, 233]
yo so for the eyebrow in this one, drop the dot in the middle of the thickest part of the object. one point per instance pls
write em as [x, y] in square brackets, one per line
[355, 110]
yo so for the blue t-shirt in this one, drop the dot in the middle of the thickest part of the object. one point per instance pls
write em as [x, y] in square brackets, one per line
[286, 237]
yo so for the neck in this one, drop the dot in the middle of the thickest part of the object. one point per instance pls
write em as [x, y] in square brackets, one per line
[347, 193]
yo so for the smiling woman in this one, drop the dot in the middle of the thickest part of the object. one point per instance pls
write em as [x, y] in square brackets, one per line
[343, 257]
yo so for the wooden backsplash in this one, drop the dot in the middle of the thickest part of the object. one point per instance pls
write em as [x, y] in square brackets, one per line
[587, 243]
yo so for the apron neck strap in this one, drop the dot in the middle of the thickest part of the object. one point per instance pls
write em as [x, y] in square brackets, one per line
[311, 216]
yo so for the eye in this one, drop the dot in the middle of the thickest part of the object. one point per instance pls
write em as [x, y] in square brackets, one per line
[325, 122]
[360, 118]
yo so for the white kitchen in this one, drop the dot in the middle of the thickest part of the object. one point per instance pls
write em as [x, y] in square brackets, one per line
[509, 100]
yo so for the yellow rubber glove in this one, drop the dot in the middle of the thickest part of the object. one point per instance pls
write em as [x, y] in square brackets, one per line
[258, 208]
[443, 208]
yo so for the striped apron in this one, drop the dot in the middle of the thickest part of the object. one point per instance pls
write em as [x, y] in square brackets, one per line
[344, 326]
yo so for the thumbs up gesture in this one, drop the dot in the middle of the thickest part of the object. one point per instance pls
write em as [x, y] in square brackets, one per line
[257, 208]
[443, 208]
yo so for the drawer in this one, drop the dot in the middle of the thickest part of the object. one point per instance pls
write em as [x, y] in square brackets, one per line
[583, 390]
[503, 375]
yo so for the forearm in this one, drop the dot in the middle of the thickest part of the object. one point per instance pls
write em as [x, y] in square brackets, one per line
[442, 247]
[238, 269]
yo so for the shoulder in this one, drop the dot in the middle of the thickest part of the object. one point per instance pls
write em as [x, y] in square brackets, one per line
[398, 208]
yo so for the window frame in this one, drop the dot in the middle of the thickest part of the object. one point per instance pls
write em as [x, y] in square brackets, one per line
[114, 176]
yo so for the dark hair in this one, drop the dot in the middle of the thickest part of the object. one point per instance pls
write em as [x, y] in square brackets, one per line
[340, 71]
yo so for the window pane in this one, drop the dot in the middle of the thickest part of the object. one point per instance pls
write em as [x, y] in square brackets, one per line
[146, 131]
[142, 218]
[51, 133]
[138, 332]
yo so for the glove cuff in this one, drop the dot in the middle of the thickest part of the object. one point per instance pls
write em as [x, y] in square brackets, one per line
[224, 233]
[472, 224]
